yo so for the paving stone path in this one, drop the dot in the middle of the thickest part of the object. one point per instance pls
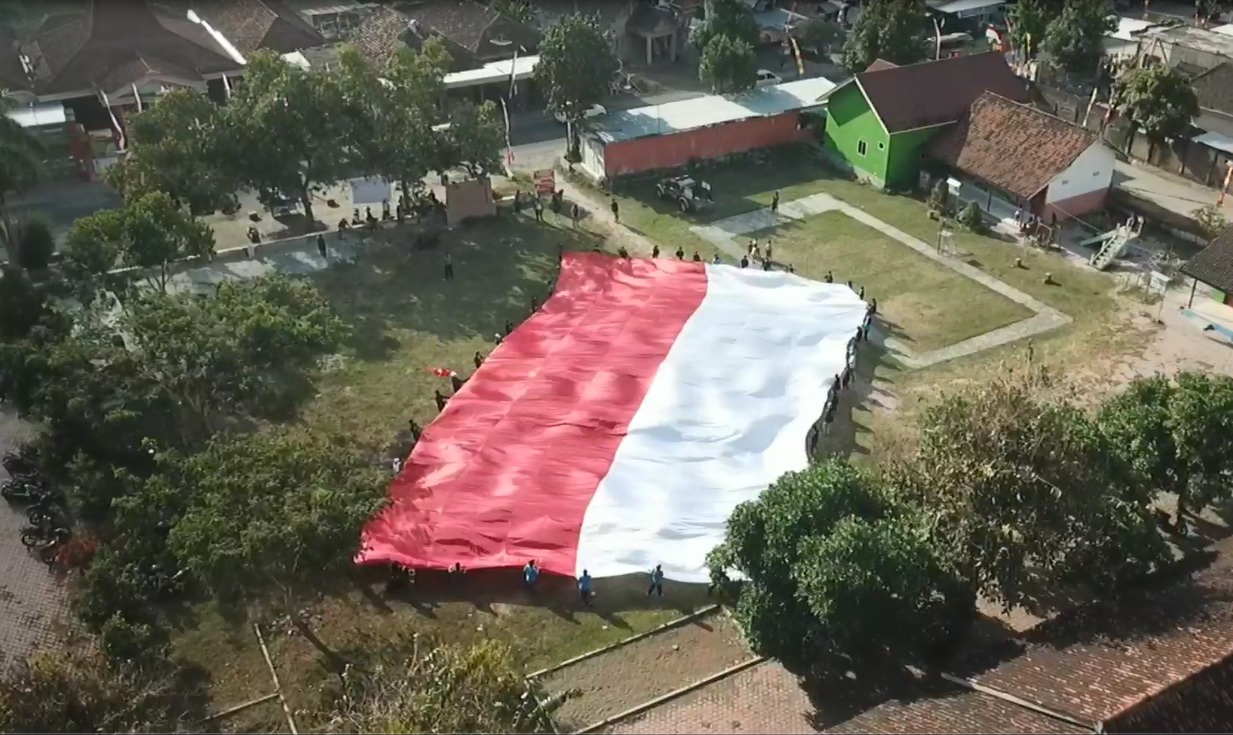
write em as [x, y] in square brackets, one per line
[723, 235]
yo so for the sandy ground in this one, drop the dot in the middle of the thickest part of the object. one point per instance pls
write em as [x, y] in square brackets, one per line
[626, 677]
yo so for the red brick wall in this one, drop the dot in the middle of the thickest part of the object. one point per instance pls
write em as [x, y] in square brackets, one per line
[1201, 703]
[676, 149]
[1075, 206]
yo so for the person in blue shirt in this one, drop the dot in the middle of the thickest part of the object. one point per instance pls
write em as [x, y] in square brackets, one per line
[657, 581]
[584, 587]
[530, 575]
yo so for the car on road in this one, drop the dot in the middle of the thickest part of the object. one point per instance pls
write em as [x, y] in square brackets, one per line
[689, 194]
[593, 111]
[766, 78]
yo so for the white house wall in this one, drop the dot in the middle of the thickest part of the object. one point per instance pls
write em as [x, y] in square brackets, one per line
[1091, 172]
[592, 158]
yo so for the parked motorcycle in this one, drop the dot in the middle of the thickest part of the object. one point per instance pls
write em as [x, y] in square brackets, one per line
[47, 513]
[21, 491]
[32, 536]
[22, 461]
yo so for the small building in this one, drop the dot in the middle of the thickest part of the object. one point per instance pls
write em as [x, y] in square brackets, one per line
[1199, 48]
[1026, 159]
[669, 136]
[1213, 267]
[879, 122]
[1212, 152]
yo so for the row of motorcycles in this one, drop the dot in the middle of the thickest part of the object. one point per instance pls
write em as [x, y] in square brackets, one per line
[48, 529]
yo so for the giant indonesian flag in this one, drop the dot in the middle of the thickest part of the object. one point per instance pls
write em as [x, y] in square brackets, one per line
[620, 425]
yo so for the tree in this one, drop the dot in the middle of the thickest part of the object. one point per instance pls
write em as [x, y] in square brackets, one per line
[418, 685]
[939, 198]
[279, 511]
[971, 216]
[1029, 20]
[285, 129]
[149, 233]
[728, 65]
[1074, 39]
[78, 691]
[389, 111]
[23, 304]
[473, 140]
[21, 157]
[834, 568]
[1211, 222]
[177, 147]
[816, 37]
[237, 354]
[1172, 431]
[1026, 493]
[893, 30]
[35, 246]
[1158, 99]
[519, 10]
[730, 18]
[576, 67]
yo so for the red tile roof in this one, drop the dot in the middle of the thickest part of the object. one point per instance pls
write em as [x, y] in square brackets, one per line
[259, 24]
[1015, 147]
[943, 708]
[1103, 661]
[114, 35]
[936, 92]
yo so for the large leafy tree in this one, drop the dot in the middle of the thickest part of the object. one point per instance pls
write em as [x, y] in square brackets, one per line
[893, 30]
[728, 65]
[1074, 38]
[274, 515]
[285, 129]
[1028, 21]
[389, 110]
[834, 568]
[472, 141]
[1158, 99]
[1175, 432]
[178, 147]
[1026, 492]
[21, 157]
[730, 18]
[816, 36]
[576, 66]
[415, 684]
[150, 232]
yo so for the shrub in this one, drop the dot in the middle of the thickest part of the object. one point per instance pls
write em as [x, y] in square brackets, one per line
[35, 246]
[127, 642]
[971, 217]
[939, 198]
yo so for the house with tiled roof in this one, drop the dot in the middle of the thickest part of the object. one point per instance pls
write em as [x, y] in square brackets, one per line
[251, 25]
[1160, 659]
[879, 122]
[485, 34]
[1027, 158]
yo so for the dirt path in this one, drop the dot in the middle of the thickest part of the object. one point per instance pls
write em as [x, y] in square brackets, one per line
[600, 212]
[639, 672]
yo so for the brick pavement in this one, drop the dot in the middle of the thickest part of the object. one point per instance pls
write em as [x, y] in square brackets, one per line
[31, 599]
[762, 699]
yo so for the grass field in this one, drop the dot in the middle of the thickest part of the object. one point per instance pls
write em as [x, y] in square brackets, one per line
[406, 319]
[922, 303]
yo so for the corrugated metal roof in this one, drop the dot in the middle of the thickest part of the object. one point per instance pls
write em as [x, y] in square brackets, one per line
[495, 71]
[960, 6]
[701, 112]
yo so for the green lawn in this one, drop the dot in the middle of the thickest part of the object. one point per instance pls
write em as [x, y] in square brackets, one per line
[405, 320]
[926, 305]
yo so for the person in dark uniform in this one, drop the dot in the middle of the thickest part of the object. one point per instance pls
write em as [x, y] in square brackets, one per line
[697, 257]
[829, 278]
[416, 431]
[440, 399]
[680, 253]
[321, 246]
[616, 211]
[449, 267]
[478, 359]
[766, 265]
[509, 327]
[655, 251]
[744, 261]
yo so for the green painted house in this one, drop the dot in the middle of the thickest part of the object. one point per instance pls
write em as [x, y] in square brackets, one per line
[878, 122]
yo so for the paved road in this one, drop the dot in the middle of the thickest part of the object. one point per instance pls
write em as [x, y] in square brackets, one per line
[31, 600]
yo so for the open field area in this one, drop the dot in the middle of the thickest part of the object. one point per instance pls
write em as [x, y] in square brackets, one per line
[923, 304]
[405, 319]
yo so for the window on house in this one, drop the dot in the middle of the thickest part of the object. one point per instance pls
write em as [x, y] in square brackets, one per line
[861, 147]
[881, 146]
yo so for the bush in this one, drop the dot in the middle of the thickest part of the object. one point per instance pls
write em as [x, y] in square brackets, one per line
[35, 246]
[79, 691]
[126, 642]
[971, 217]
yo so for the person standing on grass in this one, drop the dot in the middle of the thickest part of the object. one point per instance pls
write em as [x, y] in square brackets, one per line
[680, 253]
[575, 214]
[478, 359]
[766, 265]
[829, 278]
[441, 400]
[321, 246]
[768, 249]
[774, 205]
[757, 252]
[791, 268]
[657, 582]
[415, 429]
[716, 260]
[584, 587]
[655, 251]
[449, 267]
[697, 257]
[744, 261]
[539, 209]
[616, 211]
[530, 575]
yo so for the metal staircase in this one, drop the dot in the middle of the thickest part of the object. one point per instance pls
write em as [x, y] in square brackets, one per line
[1113, 247]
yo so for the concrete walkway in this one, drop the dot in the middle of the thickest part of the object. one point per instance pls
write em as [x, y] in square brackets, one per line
[723, 235]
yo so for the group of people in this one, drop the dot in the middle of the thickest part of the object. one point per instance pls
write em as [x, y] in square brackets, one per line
[531, 573]
[556, 203]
